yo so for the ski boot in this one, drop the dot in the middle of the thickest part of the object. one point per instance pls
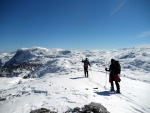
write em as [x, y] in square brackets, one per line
[117, 91]
[112, 89]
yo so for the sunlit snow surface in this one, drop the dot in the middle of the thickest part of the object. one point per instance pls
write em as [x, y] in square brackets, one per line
[61, 85]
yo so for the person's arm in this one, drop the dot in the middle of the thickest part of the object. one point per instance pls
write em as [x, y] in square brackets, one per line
[108, 69]
[82, 61]
[89, 64]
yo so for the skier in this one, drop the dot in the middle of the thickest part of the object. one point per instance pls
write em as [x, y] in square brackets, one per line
[114, 70]
[86, 64]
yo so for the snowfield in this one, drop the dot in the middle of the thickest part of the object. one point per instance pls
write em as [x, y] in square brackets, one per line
[58, 83]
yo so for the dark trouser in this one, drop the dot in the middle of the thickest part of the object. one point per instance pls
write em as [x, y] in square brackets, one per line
[117, 85]
[112, 84]
[86, 71]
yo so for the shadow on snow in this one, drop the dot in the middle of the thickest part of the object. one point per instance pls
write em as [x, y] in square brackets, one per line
[77, 78]
[105, 93]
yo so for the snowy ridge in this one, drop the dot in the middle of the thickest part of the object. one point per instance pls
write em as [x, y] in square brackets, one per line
[60, 84]
[59, 60]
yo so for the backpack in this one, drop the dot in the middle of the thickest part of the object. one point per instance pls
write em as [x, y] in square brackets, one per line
[86, 63]
[117, 67]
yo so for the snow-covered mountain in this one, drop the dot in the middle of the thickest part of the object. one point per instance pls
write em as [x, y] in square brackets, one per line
[60, 85]
[136, 60]
[4, 57]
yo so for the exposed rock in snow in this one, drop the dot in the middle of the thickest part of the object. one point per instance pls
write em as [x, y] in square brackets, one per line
[42, 110]
[90, 108]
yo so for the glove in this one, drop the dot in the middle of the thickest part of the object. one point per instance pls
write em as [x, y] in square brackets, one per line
[106, 69]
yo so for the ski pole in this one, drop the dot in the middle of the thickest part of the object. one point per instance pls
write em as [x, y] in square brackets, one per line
[106, 77]
[105, 80]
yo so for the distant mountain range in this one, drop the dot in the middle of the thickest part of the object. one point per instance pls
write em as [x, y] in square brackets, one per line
[38, 61]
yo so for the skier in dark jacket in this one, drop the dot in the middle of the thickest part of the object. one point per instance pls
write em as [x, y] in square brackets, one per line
[86, 64]
[114, 70]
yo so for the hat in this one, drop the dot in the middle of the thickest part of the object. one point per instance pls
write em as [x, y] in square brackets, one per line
[112, 60]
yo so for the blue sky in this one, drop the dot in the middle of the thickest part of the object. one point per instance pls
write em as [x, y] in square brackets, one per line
[74, 24]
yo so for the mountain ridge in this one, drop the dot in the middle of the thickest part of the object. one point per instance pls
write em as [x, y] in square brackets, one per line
[56, 80]
[61, 60]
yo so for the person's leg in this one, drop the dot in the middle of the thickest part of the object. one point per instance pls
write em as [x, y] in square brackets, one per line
[118, 87]
[85, 71]
[112, 84]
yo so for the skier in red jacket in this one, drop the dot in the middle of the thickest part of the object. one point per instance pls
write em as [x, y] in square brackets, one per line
[114, 70]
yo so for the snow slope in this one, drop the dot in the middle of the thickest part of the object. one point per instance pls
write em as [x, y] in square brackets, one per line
[60, 84]
[62, 92]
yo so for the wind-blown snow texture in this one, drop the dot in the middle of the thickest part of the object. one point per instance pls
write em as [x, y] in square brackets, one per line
[60, 85]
